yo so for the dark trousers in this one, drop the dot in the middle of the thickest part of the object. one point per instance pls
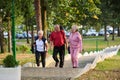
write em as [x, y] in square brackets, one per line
[61, 51]
[43, 57]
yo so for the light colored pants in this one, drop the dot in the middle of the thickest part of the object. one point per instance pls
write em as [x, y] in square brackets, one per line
[74, 56]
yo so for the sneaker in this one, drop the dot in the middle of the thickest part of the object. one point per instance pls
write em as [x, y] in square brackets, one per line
[61, 66]
[75, 67]
[38, 65]
[56, 64]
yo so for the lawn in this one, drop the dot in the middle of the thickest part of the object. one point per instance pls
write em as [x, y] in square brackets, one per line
[89, 44]
[106, 70]
[106, 65]
[22, 58]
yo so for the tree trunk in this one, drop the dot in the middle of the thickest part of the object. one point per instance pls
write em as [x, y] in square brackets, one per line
[32, 30]
[44, 17]
[2, 41]
[118, 31]
[9, 36]
[105, 35]
[113, 35]
[0, 32]
[38, 14]
[27, 38]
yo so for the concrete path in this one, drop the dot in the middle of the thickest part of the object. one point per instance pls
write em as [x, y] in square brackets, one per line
[52, 73]
[67, 72]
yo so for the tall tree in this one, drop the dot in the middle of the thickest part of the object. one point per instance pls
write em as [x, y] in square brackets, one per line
[114, 7]
[44, 16]
[5, 15]
[105, 17]
[9, 35]
[37, 4]
[2, 41]
[64, 12]
[27, 12]
[4, 11]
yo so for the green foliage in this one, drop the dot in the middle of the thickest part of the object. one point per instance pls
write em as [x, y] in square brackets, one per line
[9, 61]
[17, 48]
[64, 12]
[118, 53]
[23, 48]
[68, 12]
[110, 11]
[28, 12]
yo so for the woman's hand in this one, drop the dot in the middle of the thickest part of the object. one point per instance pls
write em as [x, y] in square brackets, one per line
[80, 50]
[46, 53]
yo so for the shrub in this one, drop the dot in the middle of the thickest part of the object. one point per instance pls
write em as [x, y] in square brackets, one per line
[23, 48]
[9, 61]
[17, 48]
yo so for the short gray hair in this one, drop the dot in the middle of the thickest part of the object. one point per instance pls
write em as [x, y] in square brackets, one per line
[56, 25]
[75, 26]
[41, 31]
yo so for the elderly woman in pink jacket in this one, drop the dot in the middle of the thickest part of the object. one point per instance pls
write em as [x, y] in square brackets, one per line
[75, 41]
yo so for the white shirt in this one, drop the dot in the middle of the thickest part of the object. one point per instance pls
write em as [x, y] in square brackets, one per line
[40, 45]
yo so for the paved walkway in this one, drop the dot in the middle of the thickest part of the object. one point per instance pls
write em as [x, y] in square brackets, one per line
[65, 73]
[52, 73]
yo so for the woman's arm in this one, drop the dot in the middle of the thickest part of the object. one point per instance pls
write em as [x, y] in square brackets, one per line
[46, 44]
[80, 41]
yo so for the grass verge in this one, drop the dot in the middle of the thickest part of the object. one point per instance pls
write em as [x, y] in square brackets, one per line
[109, 64]
[93, 44]
[106, 70]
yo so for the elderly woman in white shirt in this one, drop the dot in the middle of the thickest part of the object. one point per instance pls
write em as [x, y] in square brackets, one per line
[41, 49]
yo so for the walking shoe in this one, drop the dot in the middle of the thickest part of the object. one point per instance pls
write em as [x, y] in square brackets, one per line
[61, 66]
[75, 67]
[56, 64]
[38, 65]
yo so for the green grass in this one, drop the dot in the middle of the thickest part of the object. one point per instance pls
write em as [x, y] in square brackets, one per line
[21, 40]
[110, 64]
[86, 37]
[25, 60]
[20, 50]
[90, 44]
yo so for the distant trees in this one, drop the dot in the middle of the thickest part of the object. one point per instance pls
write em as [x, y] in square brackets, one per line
[63, 12]
[114, 7]
[46, 13]
[5, 24]
[110, 14]
[22, 9]
[27, 11]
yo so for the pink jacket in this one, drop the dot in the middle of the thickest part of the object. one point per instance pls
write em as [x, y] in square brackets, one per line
[75, 40]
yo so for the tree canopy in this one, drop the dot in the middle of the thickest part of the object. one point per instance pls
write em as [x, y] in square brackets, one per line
[64, 12]
[68, 12]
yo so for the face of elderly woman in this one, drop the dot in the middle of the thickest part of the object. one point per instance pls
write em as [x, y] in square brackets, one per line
[74, 29]
[40, 34]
